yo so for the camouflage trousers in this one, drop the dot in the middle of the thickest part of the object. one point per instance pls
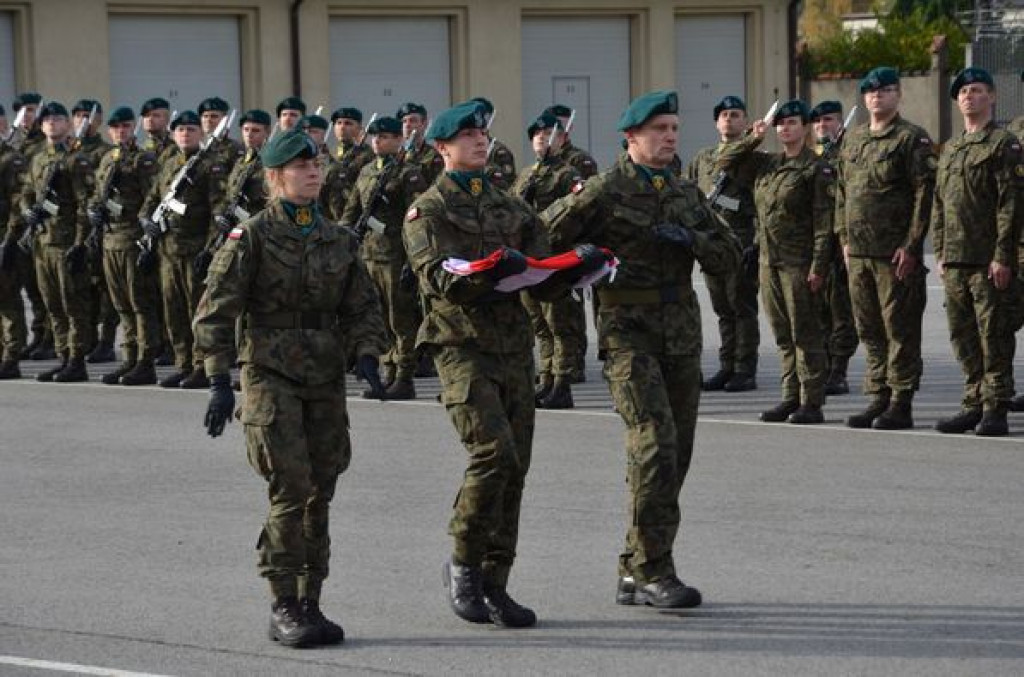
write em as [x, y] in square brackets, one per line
[13, 331]
[734, 300]
[561, 332]
[837, 312]
[297, 439]
[888, 313]
[982, 320]
[136, 298]
[657, 397]
[40, 323]
[104, 314]
[180, 289]
[794, 314]
[401, 316]
[67, 301]
[489, 398]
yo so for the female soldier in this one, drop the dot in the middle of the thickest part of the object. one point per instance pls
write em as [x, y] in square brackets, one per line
[307, 303]
[794, 254]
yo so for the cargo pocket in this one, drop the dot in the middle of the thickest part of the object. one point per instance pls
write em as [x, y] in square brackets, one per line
[620, 372]
[257, 415]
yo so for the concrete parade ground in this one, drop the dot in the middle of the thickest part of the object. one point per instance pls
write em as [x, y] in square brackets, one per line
[127, 540]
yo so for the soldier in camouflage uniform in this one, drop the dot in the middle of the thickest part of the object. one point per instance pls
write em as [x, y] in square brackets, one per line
[310, 309]
[123, 179]
[156, 116]
[793, 241]
[977, 218]
[245, 192]
[227, 151]
[316, 126]
[13, 331]
[649, 327]
[413, 117]
[539, 185]
[184, 246]
[350, 155]
[837, 313]
[1016, 127]
[52, 203]
[501, 163]
[883, 207]
[379, 225]
[733, 292]
[290, 112]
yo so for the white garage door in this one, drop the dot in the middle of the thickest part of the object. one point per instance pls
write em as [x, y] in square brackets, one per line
[184, 59]
[7, 86]
[582, 63]
[710, 64]
[380, 63]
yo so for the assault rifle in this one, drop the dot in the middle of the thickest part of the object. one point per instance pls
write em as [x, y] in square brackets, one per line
[104, 208]
[367, 221]
[530, 188]
[834, 142]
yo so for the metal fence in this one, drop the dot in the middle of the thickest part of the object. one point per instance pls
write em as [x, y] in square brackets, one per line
[998, 47]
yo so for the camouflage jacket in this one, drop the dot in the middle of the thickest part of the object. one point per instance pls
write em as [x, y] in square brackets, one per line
[429, 160]
[12, 169]
[501, 166]
[227, 151]
[978, 210]
[123, 180]
[192, 231]
[788, 232]
[404, 185]
[884, 193]
[739, 187]
[578, 158]
[162, 146]
[651, 305]
[450, 222]
[545, 181]
[341, 177]
[245, 192]
[70, 188]
[1016, 127]
[309, 306]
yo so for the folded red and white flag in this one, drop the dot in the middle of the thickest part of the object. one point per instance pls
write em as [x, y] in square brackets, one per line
[537, 270]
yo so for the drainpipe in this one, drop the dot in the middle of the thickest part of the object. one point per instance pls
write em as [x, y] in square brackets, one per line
[792, 28]
[293, 16]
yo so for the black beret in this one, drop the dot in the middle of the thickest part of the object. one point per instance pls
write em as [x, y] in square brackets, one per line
[316, 122]
[792, 109]
[544, 121]
[156, 103]
[26, 99]
[386, 125]
[968, 76]
[826, 108]
[121, 114]
[291, 103]
[186, 117]
[883, 76]
[729, 103]
[558, 110]
[256, 116]
[467, 115]
[646, 106]
[214, 103]
[409, 109]
[86, 106]
[52, 108]
[348, 114]
[287, 146]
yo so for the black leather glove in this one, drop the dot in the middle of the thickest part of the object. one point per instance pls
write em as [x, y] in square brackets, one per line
[510, 263]
[146, 261]
[222, 404]
[225, 222]
[368, 369]
[99, 216]
[34, 216]
[8, 255]
[407, 279]
[592, 259]
[750, 256]
[202, 262]
[673, 233]
[76, 258]
[150, 227]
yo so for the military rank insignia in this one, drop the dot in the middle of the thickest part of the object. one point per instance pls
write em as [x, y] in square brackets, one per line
[658, 182]
[303, 216]
[117, 153]
[476, 186]
[412, 214]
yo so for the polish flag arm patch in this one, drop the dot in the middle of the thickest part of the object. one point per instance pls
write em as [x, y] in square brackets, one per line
[236, 233]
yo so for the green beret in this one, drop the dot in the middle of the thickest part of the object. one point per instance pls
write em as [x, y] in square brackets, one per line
[316, 122]
[483, 103]
[558, 110]
[410, 109]
[467, 115]
[121, 114]
[256, 116]
[968, 76]
[186, 117]
[792, 109]
[348, 114]
[729, 103]
[86, 106]
[883, 76]
[291, 103]
[26, 99]
[52, 108]
[156, 103]
[544, 121]
[826, 108]
[287, 146]
[646, 106]
[214, 103]
[385, 125]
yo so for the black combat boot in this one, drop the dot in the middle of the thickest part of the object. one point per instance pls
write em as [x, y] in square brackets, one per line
[865, 418]
[44, 351]
[993, 423]
[196, 380]
[961, 422]
[718, 381]
[290, 626]
[1017, 403]
[465, 592]
[9, 370]
[425, 367]
[544, 383]
[47, 376]
[899, 416]
[114, 377]
[836, 383]
[667, 593]
[175, 379]
[165, 358]
[780, 412]
[560, 396]
[401, 389]
[740, 382]
[505, 611]
[625, 591]
[807, 414]
[328, 631]
[387, 375]
[74, 372]
[103, 351]
[144, 374]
